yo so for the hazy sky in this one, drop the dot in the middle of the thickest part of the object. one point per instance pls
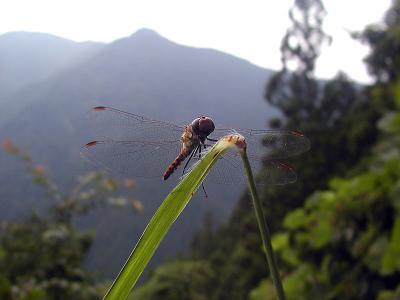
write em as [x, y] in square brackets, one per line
[249, 29]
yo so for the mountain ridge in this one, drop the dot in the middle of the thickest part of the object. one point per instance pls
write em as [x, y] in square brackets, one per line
[29, 57]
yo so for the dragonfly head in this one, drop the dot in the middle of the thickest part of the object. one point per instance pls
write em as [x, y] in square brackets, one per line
[203, 126]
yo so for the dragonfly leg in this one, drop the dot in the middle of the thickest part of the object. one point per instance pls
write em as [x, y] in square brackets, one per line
[190, 157]
[204, 190]
[202, 184]
[211, 140]
[198, 149]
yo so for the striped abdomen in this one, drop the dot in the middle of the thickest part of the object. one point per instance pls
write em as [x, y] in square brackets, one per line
[175, 164]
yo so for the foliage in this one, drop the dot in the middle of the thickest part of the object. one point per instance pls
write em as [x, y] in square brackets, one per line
[345, 235]
[45, 257]
[42, 257]
[344, 243]
[383, 61]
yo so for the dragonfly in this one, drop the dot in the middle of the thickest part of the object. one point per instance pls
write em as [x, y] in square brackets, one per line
[144, 147]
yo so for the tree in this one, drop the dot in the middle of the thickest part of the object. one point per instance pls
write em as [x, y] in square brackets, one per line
[295, 91]
[344, 242]
[383, 61]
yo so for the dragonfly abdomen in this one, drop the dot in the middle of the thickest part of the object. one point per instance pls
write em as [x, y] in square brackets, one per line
[190, 140]
[175, 164]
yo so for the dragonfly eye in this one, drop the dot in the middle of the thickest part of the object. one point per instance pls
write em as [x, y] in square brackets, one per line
[203, 126]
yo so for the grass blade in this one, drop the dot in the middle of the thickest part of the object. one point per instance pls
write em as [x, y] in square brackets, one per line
[165, 216]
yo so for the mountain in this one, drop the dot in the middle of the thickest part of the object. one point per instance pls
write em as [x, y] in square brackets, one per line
[148, 75]
[28, 57]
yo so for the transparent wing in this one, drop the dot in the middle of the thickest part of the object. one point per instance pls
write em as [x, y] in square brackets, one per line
[229, 170]
[145, 147]
[135, 158]
[111, 123]
[269, 144]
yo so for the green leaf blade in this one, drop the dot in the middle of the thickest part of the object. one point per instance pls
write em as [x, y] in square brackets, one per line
[164, 217]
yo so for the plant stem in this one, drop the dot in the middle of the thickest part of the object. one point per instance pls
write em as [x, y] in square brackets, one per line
[263, 226]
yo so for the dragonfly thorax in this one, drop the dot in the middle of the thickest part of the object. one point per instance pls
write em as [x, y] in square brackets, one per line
[189, 139]
[203, 127]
